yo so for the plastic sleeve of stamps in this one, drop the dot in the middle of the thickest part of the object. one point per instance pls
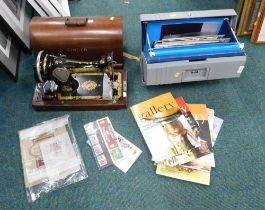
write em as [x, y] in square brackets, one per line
[103, 142]
[96, 139]
[50, 157]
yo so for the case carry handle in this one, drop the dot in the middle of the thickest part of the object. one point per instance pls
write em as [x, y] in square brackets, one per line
[76, 21]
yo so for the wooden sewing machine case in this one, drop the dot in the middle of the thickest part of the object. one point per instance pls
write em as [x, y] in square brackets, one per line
[85, 39]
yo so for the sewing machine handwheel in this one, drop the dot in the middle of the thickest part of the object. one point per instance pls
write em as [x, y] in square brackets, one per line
[39, 66]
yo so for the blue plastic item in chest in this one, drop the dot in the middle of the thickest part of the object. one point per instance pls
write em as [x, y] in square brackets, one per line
[157, 30]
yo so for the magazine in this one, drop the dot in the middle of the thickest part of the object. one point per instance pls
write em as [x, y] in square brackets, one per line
[197, 116]
[199, 111]
[185, 173]
[218, 122]
[170, 137]
[210, 113]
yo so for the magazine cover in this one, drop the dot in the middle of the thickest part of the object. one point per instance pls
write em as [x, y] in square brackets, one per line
[187, 113]
[199, 111]
[197, 116]
[218, 122]
[186, 174]
[167, 132]
[210, 113]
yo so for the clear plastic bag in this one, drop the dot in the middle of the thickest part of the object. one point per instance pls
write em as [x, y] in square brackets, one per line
[50, 157]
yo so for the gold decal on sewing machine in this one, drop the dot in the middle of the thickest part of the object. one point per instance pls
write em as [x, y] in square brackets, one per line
[89, 85]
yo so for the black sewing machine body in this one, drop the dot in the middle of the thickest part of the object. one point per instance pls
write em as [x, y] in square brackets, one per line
[78, 85]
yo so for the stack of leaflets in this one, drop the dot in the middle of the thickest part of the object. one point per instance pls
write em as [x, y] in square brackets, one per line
[179, 136]
[109, 147]
[173, 41]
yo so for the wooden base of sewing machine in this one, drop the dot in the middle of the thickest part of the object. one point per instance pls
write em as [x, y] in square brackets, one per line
[75, 103]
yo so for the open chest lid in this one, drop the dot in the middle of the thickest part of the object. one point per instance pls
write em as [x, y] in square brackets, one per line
[155, 27]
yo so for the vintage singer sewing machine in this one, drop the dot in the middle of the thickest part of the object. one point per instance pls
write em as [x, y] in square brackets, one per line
[78, 85]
